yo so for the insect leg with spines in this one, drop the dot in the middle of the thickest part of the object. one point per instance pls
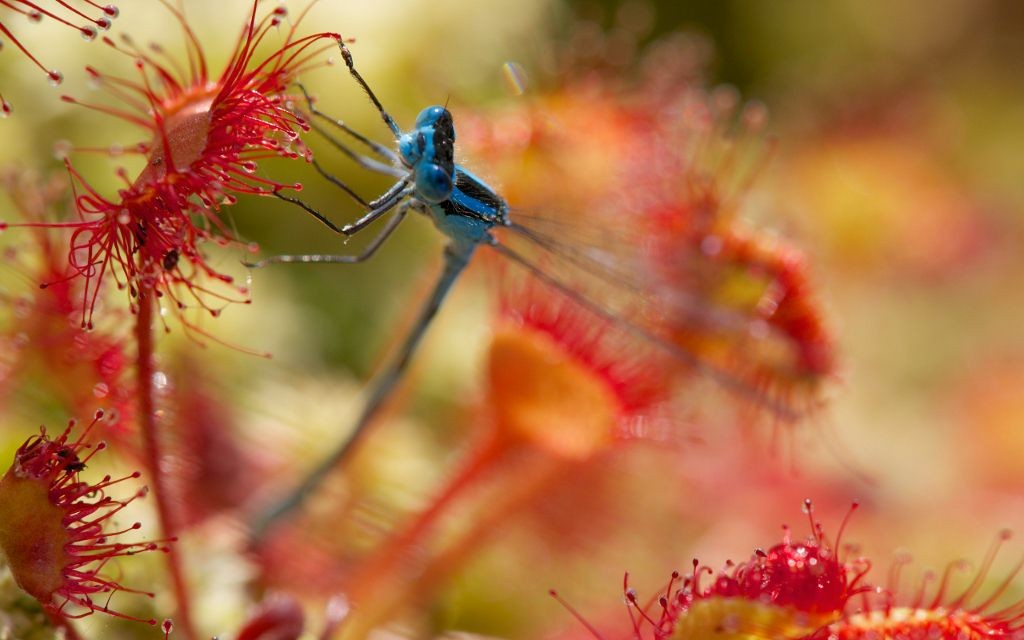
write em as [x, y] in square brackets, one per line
[400, 211]
[372, 164]
[377, 208]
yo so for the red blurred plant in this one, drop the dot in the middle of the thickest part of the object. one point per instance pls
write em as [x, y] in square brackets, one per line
[42, 337]
[673, 169]
[210, 469]
[945, 614]
[564, 387]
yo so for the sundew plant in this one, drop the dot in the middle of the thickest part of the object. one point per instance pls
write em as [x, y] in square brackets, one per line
[624, 319]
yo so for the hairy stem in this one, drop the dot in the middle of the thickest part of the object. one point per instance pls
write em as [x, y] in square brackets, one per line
[151, 456]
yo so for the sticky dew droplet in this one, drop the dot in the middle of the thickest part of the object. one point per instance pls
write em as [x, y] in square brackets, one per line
[160, 380]
[61, 149]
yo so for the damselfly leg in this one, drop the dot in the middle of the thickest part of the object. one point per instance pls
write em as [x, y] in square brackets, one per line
[367, 162]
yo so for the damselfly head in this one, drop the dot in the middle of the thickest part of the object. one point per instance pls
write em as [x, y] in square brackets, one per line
[436, 116]
[429, 150]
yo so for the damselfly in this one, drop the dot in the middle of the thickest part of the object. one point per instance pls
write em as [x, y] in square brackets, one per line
[468, 212]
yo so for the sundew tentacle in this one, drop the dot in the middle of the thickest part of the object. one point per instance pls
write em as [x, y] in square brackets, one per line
[86, 24]
[950, 614]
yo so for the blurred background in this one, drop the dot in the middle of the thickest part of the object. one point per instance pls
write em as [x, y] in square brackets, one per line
[896, 169]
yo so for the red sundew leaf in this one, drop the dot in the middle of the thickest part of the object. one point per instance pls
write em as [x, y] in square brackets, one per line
[206, 135]
[55, 529]
[278, 617]
[790, 591]
[210, 469]
[566, 380]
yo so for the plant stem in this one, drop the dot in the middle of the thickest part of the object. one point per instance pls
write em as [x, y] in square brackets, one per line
[151, 456]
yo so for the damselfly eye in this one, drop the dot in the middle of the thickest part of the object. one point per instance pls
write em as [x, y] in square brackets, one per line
[430, 115]
[433, 183]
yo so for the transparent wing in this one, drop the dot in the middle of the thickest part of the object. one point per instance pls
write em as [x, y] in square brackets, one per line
[612, 275]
